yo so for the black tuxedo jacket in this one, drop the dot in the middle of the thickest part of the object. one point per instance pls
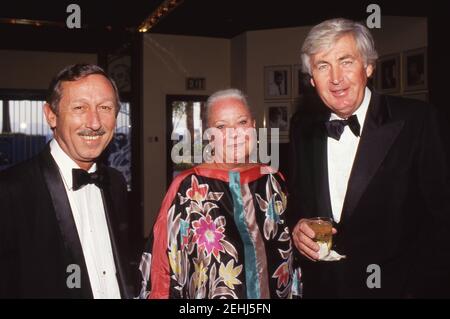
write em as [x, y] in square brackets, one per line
[396, 212]
[38, 236]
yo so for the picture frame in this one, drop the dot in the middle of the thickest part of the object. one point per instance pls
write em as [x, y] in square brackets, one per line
[278, 115]
[299, 81]
[119, 68]
[372, 81]
[415, 69]
[422, 96]
[277, 82]
[388, 74]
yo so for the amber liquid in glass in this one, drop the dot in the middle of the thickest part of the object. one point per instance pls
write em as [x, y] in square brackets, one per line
[323, 231]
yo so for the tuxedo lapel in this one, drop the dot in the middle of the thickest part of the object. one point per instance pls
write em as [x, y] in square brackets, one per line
[320, 171]
[377, 137]
[64, 217]
[109, 203]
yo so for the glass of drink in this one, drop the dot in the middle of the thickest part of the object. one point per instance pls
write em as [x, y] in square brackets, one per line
[323, 229]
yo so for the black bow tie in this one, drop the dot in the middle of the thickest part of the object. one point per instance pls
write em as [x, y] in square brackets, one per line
[80, 178]
[335, 128]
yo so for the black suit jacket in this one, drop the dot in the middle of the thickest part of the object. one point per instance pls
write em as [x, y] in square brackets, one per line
[38, 236]
[396, 212]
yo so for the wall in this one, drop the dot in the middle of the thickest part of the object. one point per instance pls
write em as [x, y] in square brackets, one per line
[35, 69]
[239, 62]
[269, 48]
[168, 60]
[400, 33]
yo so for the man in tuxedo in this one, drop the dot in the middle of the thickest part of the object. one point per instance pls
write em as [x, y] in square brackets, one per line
[62, 215]
[376, 165]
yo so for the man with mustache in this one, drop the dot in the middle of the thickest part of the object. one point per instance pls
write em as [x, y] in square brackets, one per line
[376, 164]
[62, 215]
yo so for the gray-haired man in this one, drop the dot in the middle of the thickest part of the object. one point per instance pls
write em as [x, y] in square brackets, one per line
[376, 165]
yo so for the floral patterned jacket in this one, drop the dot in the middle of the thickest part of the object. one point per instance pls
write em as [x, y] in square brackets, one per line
[221, 234]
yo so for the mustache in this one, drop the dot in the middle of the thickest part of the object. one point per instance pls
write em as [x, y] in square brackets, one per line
[99, 132]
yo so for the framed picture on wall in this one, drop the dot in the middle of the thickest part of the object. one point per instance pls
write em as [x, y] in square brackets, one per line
[299, 81]
[277, 115]
[415, 70]
[388, 74]
[372, 82]
[418, 96]
[277, 82]
[119, 68]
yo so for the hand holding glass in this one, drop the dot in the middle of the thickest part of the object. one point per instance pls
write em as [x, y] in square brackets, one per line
[323, 230]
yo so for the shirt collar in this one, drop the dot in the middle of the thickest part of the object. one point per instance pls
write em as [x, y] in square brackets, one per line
[361, 111]
[65, 163]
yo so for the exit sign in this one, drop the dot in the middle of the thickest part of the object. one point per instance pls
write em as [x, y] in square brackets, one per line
[195, 83]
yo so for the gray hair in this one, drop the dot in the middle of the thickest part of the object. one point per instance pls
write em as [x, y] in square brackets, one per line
[226, 94]
[325, 34]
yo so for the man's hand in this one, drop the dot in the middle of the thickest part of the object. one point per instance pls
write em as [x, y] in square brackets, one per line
[303, 239]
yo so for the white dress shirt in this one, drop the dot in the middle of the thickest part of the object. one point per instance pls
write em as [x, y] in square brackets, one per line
[341, 155]
[89, 215]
